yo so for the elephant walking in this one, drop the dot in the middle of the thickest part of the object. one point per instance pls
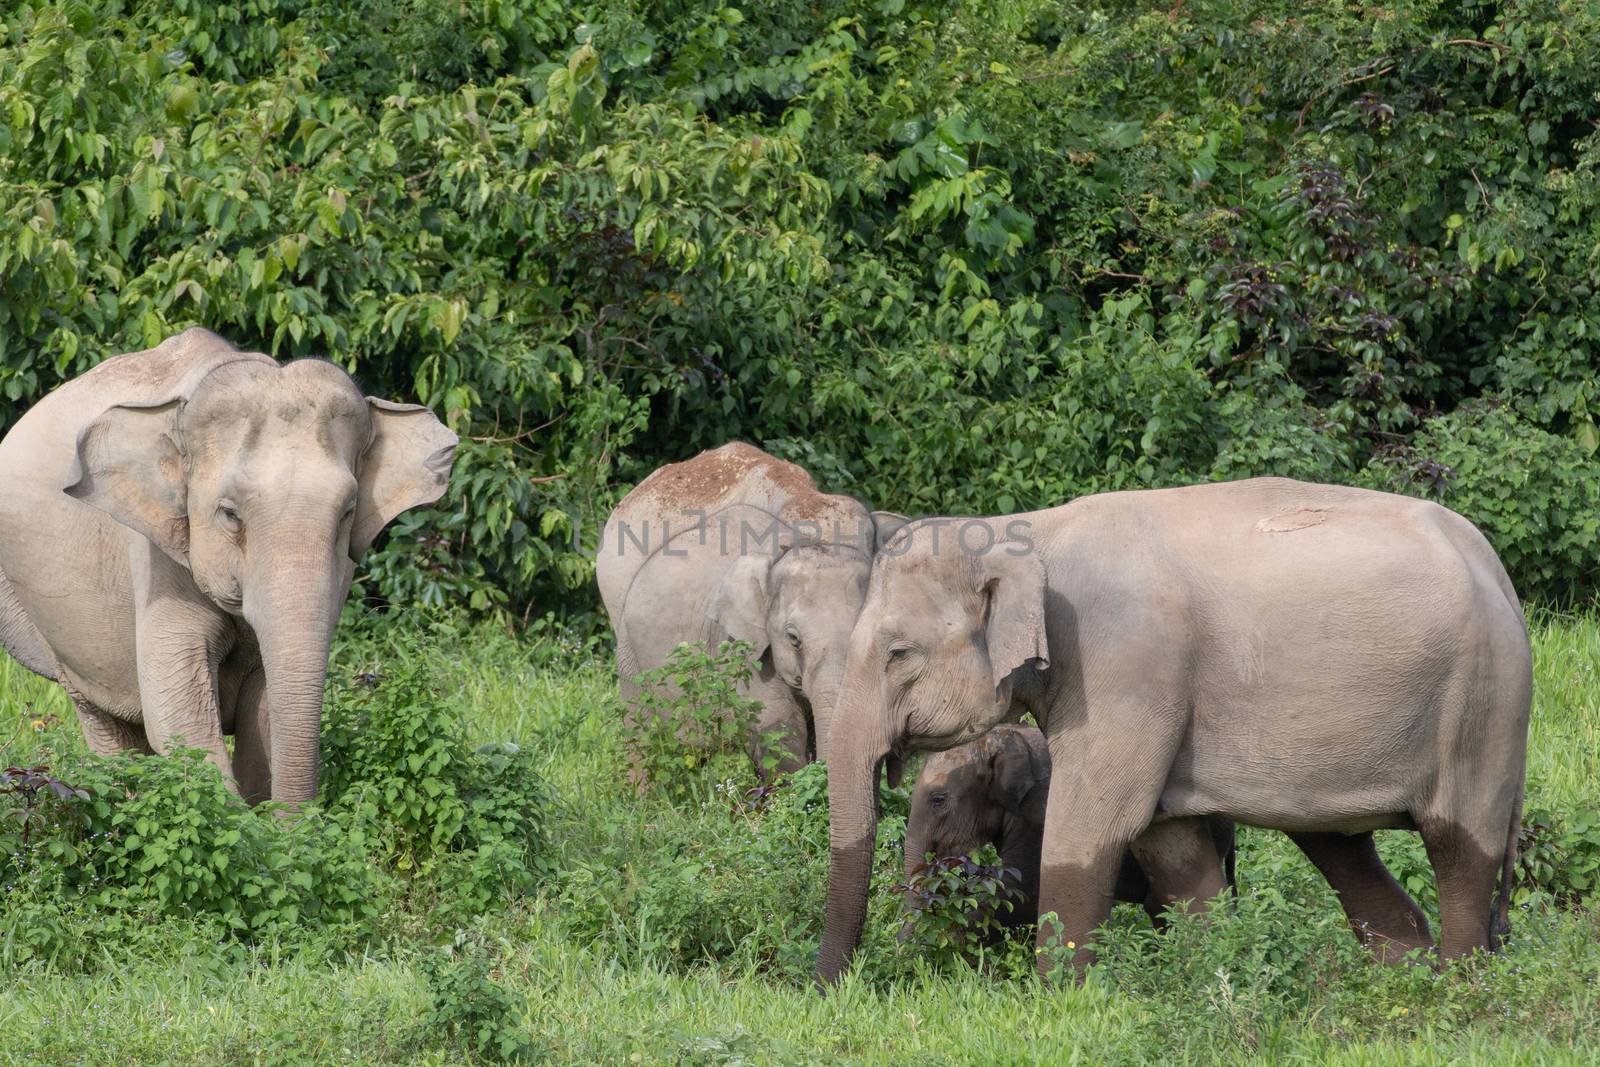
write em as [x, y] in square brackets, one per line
[735, 543]
[1317, 659]
[178, 530]
[992, 791]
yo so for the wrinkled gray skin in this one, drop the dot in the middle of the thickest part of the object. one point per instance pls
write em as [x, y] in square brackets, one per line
[992, 792]
[1316, 659]
[178, 530]
[735, 543]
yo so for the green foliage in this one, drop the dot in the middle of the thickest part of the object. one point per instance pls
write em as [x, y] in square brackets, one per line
[1242, 970]
[956, 906]
[168, 831]
[398, 762]
[662, 885]
[693, 734]
[163, 837]
[470, 1008]
[1041, 249]
[1559, 854]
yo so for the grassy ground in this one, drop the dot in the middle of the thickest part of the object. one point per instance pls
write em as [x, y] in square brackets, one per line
[682, 935]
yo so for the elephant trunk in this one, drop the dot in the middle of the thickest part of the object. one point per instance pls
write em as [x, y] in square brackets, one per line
[822, 692]
[917, 846]
[293, 610]
[858, 747]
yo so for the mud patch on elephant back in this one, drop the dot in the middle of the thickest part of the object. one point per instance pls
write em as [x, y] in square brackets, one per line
[1293, 519]
[711, 475]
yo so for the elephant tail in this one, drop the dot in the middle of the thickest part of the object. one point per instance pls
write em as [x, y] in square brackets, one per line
[1500, 925]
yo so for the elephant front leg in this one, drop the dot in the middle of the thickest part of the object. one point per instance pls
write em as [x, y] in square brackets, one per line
[1112, 769]
[178, 657]
[252, 740]
[1076, 883]
[106, 734]
[1085, 843]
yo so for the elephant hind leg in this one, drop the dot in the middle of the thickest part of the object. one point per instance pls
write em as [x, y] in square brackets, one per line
[1466, 872]
[1380, 911]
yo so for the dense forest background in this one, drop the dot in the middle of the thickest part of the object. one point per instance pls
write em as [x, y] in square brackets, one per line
[951, 257]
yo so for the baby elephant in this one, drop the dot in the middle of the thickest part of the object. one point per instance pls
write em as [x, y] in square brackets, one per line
[992, 791]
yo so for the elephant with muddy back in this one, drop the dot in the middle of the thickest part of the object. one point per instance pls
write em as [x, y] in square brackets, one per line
[179, 528]
[735, 543]
[1322, 660]
[992, 791]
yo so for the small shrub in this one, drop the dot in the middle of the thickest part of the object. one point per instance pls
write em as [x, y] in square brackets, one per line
[469, 1007]
[693, 731]
[40, 801]
[139, 839]
[167, 832]
[957, 905]
[1249, 965]
[1560, 854]
[398, 760]
[679, 887]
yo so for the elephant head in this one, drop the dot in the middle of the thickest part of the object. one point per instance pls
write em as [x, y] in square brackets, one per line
[267, 483]
[798, 607]
[987, 792]
[930, 666]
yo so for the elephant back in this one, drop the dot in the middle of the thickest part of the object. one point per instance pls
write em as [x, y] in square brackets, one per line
[677, 495]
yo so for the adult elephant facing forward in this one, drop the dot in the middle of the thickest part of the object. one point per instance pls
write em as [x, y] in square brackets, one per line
[735, 543]
[178, 530]
[1316, 659]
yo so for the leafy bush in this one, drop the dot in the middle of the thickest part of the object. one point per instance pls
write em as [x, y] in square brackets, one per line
[1288, 440]
[164, 838]
[40, 804]
[1240, 970]
[957, 905]
[692, 733]
[1039, 248]
[398, 762]
[681, 887]
[1559, 854]
[470, 1008]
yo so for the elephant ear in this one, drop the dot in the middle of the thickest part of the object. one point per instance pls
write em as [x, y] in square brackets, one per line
[406, 466]
[1012, 580]
[886, 524]
[1017, 776]
[130, 466]
[741, 600]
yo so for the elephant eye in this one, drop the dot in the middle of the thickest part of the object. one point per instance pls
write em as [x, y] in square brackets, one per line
[228, 513]
[898, 653]
[794, 638]
[938, 800]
